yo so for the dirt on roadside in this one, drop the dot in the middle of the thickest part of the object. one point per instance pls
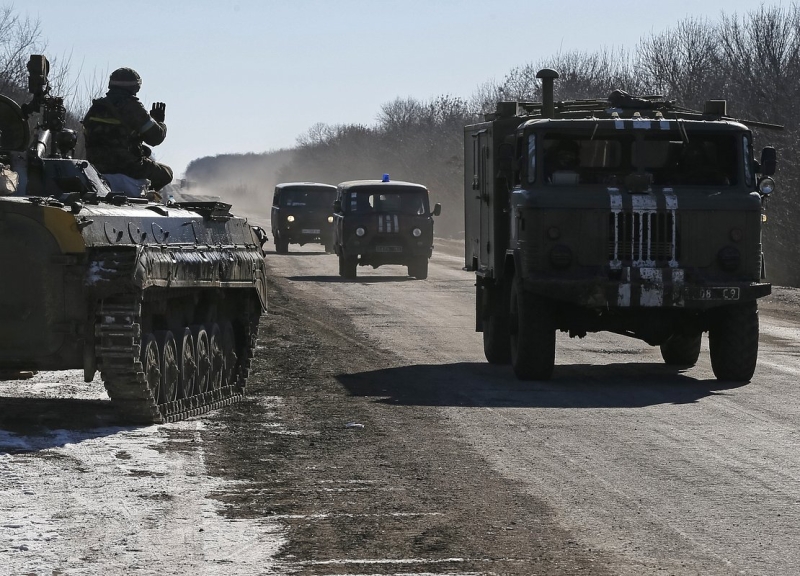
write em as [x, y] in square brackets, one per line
[363, 482]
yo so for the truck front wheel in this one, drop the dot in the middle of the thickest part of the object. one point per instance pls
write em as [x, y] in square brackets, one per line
[281, 244]
[733, 342]
[532, 335]
[496, 342]
[418, 268]
[681, 350]
[348, 266]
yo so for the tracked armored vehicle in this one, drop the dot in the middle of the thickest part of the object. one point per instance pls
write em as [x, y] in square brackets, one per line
[628, 215]
[163, 299]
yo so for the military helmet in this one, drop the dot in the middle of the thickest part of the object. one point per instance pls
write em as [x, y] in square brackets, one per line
[126, 78]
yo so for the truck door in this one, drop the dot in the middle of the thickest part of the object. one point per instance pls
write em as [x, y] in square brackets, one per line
[484, 196]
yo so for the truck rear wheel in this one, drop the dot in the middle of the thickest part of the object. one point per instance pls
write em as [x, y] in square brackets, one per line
[496, 341]
[681, 350]
[532, 335]
[733, 342]
[418, 268]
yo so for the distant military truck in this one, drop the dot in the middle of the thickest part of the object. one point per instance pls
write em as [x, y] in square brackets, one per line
[302, 213]
[628, 215]
[379, 222]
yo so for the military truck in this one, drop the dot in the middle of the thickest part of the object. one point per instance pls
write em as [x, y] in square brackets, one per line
[302, 213]
[379, 222]
[629, 215]
[163, 300]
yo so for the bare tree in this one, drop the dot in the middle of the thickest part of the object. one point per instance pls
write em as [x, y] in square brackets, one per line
[18, 38]
[762, 56]
[400, 114]
[683, 63]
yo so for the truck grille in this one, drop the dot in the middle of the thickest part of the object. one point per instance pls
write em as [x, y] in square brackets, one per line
[388, 224]
[642, 237]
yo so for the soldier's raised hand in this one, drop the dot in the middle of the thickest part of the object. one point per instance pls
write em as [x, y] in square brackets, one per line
[157, 111]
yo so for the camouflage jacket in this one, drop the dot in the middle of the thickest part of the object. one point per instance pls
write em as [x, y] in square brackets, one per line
[116, 127]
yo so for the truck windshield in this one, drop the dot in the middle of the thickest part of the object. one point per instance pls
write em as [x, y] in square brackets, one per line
[318, 199]
[415, 202]
[671, 158]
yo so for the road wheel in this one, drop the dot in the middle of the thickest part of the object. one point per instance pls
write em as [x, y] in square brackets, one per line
[681, 349]
[203, 357]
[418, 268]
[151, 364]
[187, 363]
[228, 354]
[170, 371]
[733, 342]
[281, 245]
[216, 356]
[496, 341]
[532, 335]
[348, 266]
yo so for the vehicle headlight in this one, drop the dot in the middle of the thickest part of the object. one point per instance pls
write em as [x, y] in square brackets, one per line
[360, 231]
[290, 218]
[330, 218]
[416, 232]
[766, 186]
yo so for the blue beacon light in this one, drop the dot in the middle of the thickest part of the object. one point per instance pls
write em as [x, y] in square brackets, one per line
[385, 178]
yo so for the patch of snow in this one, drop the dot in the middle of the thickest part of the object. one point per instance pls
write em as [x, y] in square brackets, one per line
[119, 500]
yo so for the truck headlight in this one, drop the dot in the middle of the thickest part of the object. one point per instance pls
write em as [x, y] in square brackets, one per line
[766, 186]
[360, 231]
[290, 218]
[416, 232]
[330, 218]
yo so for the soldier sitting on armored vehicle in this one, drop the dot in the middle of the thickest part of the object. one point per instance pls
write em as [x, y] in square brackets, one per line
[117, 128]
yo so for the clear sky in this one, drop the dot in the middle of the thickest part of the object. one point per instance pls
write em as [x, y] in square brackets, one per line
[252, 75]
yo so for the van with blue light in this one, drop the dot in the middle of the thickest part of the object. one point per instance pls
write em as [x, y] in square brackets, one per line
[382, 222]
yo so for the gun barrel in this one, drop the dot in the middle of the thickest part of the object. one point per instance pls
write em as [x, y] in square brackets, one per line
[41, 142]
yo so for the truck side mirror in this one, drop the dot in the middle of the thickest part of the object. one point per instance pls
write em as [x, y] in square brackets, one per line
[437, 209]
[769, 160]
[337, 205]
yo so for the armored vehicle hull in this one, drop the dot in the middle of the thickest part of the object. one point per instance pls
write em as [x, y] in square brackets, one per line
[163, 300]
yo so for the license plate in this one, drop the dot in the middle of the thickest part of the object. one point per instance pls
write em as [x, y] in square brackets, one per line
[388, 248]
[310, 230]
[715, 293]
